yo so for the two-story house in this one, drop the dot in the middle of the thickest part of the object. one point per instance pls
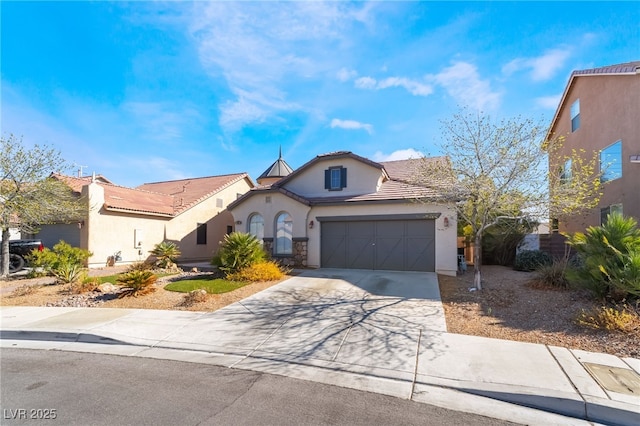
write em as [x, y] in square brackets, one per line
[340, 210]
[599, 112]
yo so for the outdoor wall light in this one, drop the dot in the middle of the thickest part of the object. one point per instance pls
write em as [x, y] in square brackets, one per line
[311, 225]
[446, 222]
[238, 222]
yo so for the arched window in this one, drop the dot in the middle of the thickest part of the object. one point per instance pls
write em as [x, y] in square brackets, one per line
[256, 226]
[284, 233]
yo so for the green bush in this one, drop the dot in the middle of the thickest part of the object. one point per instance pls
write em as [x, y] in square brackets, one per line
[167, 252]
[238, 251]
[530, 260]
[63, 262]
[609, 258]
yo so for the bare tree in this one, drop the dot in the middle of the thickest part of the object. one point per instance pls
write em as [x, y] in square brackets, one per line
[28, 196]
[501, 175]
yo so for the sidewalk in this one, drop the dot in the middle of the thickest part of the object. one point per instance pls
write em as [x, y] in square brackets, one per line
[464, 373]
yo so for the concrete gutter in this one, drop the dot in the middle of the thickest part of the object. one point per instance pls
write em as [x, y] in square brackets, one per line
[465, 373]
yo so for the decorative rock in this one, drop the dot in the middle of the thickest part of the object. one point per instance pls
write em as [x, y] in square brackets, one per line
[194, 270]
[107, 288]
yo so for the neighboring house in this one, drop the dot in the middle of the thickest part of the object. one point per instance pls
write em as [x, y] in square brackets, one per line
[600, 112]
[341, 210]
[190, 212]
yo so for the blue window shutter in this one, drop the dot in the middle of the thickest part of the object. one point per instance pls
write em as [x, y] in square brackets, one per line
[343, 178]
[327, 179]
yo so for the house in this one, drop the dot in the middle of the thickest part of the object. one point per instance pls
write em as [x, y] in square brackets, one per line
[599, 112]
[340, 210]
[129, 222]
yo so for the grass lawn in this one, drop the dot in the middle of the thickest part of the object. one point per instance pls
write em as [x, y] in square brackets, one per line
[113, 279]
[211, 286]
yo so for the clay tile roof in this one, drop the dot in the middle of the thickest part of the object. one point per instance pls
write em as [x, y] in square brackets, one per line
[189, 192]
[168, 198]
[626, 68]
[119, 198]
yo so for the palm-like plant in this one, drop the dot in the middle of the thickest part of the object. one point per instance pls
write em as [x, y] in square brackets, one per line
[610, 257]
[237, 251]
[167, 252]
[137, 283]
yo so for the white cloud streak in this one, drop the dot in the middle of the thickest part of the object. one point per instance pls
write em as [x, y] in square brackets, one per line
[548, 102]
[463, 82]
[256, 48]
[414, 87]
[541, 68]
[401, 154]
[351, 125]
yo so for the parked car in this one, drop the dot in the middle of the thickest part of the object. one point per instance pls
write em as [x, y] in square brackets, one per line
[18, 249]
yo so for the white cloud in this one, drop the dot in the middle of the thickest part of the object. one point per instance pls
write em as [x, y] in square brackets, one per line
[365, 83]
[351, 125]
[542, 67]
[401, 154]
[256, 48]
[346, 74]
[462, 81]
[160, 120]
[549, 102]
[414, 87]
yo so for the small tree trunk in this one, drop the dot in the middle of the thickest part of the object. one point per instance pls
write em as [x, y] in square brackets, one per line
[477, 262]
[4, 261]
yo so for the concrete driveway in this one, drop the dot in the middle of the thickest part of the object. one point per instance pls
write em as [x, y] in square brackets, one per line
[372, 319]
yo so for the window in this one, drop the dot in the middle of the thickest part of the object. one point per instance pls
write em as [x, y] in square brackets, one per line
[256, 226]
[575, 115]
[201, 233]
[284, 234]
[611, 162]
[565, 173]
[612, 209]
[335, 178]
[229, 229]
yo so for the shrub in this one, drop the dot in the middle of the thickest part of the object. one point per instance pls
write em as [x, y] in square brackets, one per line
[140, 266]
[64, 261]
[194, 297]
[237, 251]
[530, 260]
[137, 283]
[554, 274]
[25, 290]
[85, 284]
[263, 271]
[167, 252]
[621, 319]
[610, 258]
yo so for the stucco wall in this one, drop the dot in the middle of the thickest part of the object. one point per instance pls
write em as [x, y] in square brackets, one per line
[106, 232]
[361, 179]
[608, 112]
[182, 228]
[446, 237]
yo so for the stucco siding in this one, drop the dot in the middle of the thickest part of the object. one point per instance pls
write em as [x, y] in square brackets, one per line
[362, 178]
[608, 113]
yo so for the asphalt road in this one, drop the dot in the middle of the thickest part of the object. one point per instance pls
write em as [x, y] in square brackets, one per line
[53, 387]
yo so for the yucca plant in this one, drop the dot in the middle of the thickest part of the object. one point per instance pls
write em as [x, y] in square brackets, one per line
[137, 283]
[237, 251]
[167, 252]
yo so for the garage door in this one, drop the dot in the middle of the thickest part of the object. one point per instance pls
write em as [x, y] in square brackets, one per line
[398, 245]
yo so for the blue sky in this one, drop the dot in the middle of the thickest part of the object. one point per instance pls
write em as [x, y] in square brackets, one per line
[150, 91]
